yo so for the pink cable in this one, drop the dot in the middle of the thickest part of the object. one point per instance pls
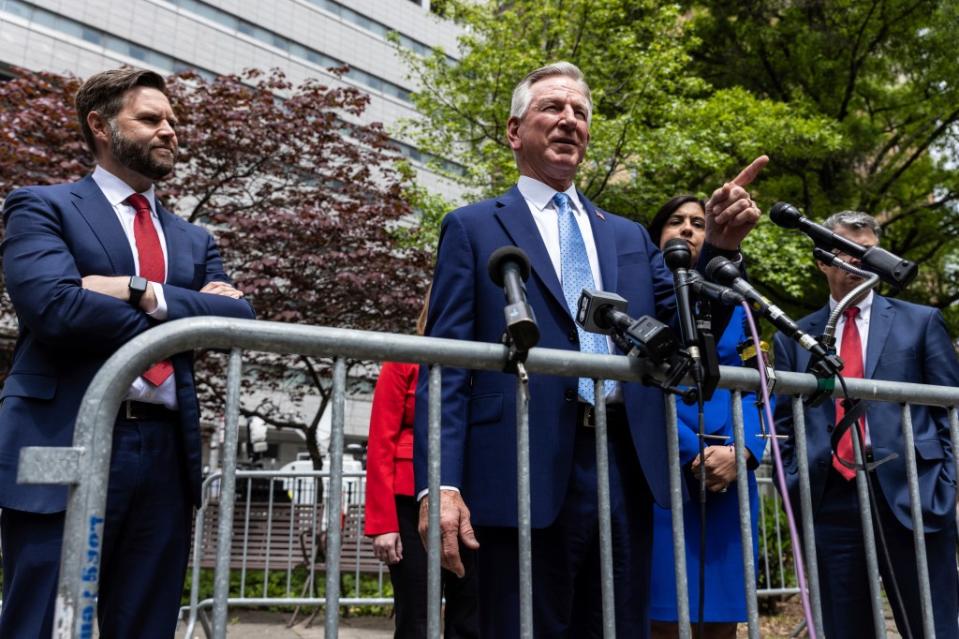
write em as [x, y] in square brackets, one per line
[793, 533]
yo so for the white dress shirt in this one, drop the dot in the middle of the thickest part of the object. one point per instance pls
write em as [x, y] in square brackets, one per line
[862, 323]
[116, 192]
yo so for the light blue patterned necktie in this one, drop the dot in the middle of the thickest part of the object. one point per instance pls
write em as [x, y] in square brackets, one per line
[577, 275]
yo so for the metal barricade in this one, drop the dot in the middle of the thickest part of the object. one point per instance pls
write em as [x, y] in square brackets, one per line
[278, 534]
[278, 538]
[84, 467]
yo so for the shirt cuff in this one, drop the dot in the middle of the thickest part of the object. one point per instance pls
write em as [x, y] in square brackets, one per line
[160, 312]
[426, 491]
[734, 256]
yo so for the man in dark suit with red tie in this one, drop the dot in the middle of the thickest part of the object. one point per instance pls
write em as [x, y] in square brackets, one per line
[89, 266]
[887, 339]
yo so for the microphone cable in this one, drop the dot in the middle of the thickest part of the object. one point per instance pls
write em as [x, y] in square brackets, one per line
[781, 477]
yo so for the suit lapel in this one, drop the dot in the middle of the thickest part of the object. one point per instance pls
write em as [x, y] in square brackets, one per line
[513, 213]
[880, 322]
[605, 240]
[100, 216]
[179, 270]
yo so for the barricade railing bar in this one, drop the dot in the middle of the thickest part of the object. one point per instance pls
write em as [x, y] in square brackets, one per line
[84, 467]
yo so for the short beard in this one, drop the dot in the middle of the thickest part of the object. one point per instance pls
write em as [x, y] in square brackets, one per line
[138, 158]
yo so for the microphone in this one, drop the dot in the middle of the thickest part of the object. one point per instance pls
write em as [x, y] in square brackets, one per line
[605, 313]
[725, 272]
[891, 268]
[646, 337]
[678, 258]
[508, 267]
[714, 292]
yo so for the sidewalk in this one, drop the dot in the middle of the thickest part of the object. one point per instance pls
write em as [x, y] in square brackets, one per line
[258, 624]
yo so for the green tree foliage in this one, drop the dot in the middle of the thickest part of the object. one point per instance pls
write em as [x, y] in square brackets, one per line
[885, 75]
[855, 103]
[657, 128]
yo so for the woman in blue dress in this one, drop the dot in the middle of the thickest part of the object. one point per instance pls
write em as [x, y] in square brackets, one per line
[725, 604]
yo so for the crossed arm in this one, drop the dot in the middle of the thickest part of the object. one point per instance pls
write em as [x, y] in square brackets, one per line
[117, 286]
[63, 307]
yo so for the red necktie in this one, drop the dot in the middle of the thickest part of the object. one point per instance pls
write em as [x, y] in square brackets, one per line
[851, 353]
[152, 267]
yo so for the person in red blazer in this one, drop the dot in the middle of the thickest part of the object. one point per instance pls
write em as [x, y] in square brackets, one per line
[392, 512]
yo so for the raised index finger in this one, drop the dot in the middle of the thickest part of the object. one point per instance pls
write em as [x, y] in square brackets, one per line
[747, 175]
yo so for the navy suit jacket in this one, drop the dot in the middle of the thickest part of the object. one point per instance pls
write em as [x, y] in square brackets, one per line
[907, 343]
[55, 235]
[479, 415]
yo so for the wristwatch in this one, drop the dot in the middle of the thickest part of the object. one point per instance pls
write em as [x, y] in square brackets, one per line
[137, 286]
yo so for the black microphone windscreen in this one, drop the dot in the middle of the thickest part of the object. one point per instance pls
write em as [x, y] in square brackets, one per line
[785, 215]
[677, 254]
[722, 271]
[505, 254]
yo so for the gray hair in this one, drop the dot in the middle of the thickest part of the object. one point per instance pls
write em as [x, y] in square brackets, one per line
[855, 220]
[522, 95]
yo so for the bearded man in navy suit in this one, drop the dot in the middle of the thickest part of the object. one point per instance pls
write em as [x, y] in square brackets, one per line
[570, 244]
[89, 266]
[887, 339]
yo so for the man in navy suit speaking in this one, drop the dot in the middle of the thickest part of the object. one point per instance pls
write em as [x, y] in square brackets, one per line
[571, 244]
[888, 339]
[89, 266]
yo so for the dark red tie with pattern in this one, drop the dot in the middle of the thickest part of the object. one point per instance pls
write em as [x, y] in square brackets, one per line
[851, 353]
[152, 267]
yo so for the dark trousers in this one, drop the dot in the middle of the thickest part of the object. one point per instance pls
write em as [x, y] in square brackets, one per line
[409, 578]
[842, 568]
[565, 556]
[146, 544]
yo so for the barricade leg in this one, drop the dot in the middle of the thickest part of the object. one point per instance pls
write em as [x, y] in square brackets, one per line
[676, 510]
[805, 511]
[246, 534]
[745, 519]
[198, 527]
[434, 576]
[869, 539]
[523, 500]
[221, 579]
[954, 436]
[605, 517]
[918, 529]
[333, 536]
[269, 541]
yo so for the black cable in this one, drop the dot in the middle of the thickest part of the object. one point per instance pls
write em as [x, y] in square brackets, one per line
[877, 522]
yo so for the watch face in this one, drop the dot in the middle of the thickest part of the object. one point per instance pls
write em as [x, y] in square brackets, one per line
[138, 284]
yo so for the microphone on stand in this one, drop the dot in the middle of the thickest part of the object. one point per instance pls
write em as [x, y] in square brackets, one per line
[891, 268]
[723, 271]
[508, 267]
[678, 258]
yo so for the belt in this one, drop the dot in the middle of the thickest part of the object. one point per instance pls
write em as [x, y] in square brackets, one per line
[143, 411]
[586, 415]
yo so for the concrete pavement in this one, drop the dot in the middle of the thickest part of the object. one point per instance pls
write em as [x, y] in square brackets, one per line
[258, 624]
